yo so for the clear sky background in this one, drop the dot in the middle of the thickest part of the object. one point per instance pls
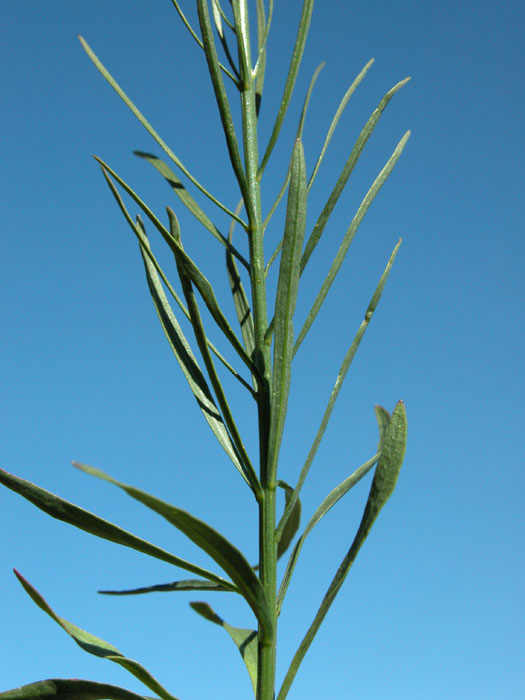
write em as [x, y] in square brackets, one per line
[433, 607]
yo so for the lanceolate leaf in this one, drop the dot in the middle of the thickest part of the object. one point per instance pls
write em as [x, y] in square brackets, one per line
[286, 298]
[140, 232]
[98, 647]
[328, 503]
[240, 300]
[68, 512]
[293, 522]
[346, 172]
[349, 237]
[199, 41]
[348, 94]
[189, 365]
[199, 280]
[302, 33]
[148, 126]
[383, 418]
[188, 201]
[202, 341]
[69, 689]
[188, 585]
[343, 371]
[245, 639]
[220, 94]
[383, 484]
[209, 540]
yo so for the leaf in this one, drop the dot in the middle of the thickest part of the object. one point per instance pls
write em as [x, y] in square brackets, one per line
[84, 520]
[202, 341]
[221, 95]
[359, 145]
[348, 94]
[343, 371]
[293, 522]
[348, 238]
[383, 421]
[140, 232]
[242, 305]
[302, 33]
[329, 502]
[209, 540]
[189, 365]
[188, 201]
[69, 689]
[188, 585]
[245, 639]
[96, 646]
[383, 484]
[199, 42]
[105, 73]
[191, 269]
[286, 298]
[298, 135]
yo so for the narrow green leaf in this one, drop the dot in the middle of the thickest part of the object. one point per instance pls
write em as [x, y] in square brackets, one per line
[188, 585]
[241, 303]
[96, 646]
[383, 418]
[293, 522]
[149, 128]
[69, 689]
[202, 341]
[245, 639]
[328, 503]
[263, 31]
[286, 298]
[197, 39]
[346, 172]
[223, 552]
[280, 195]
[348, 94]
[302, 33]
[220, 94]
[189, 365]
[188, 201]
[218, 13]
[199, 280]
[383, 484]
[140, 232]
[349, 237]
[345, 366]
[84, 520]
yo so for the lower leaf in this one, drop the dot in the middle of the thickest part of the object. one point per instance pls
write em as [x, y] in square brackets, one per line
[69, 689]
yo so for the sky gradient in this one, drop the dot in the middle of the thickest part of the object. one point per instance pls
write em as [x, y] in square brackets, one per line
[433, 607]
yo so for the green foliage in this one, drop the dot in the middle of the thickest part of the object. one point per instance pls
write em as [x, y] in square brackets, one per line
[265, 348]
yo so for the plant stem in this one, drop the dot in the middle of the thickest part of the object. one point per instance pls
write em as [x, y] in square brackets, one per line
[262, 354]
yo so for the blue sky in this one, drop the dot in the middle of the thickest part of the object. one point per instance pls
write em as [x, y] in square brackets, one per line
[433, 607]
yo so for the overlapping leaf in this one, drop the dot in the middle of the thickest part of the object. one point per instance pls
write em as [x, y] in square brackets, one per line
[209, 540]
[245, 639]
[63, 510]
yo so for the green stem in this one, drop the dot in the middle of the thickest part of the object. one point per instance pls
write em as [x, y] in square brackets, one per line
[262, 359]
